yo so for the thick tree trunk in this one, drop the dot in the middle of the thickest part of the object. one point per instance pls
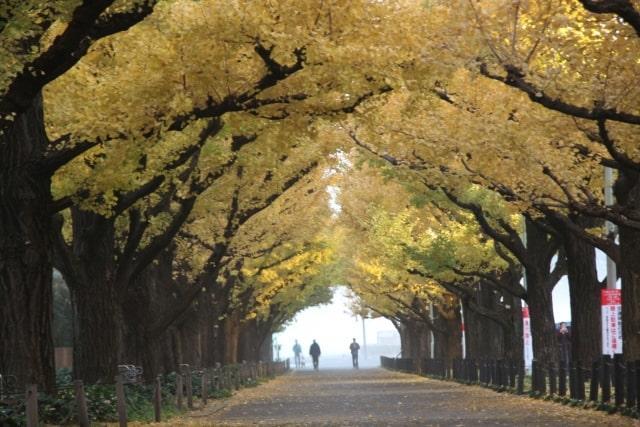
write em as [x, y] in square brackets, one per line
[145, 300]
[248, 345]
[98, 319]
[190, 340]
[627, 191]
[25, 253]
[232, 332]
[543, 335]
[405, 345]
[584, 288]
[539, 289]
[492, 333]
[514, 345]
[265, 352]
[448, 344]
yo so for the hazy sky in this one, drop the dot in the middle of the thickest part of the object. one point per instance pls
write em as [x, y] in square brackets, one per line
[332, 326]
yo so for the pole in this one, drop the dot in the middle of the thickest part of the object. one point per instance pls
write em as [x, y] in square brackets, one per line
[612, 275]
[464, 348]
[432, 350]
[526, 320]
[364, 340]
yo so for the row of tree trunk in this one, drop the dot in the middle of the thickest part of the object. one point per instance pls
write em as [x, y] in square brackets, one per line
[493, 315]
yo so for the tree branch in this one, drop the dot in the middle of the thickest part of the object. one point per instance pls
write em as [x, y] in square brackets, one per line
[622, 8]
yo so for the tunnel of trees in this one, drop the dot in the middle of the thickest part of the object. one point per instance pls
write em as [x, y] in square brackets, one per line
[184, 176]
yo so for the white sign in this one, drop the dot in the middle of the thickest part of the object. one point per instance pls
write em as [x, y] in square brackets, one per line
[526, 337]
[611, 303]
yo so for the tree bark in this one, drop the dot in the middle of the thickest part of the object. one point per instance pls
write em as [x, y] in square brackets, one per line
[539, 289]
[98, 319]
[627, 191]
[584, 289]
[232, 332]
[25, 252]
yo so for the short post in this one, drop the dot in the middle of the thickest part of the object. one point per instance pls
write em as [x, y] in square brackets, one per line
[637, 375]
[593, 387]
[631, 385]
[203, 388]
[157, 400]
[562, 379]
[606, 379]
[534, 375]
[618, 379]
[31, 403]
[236, 374]
[179, 390]
[520, 384]
[552, 380]
[121, 404]
[512, 374]
[572, 380]
[579, 381]
[81, 404]
[189, 389]
[216, 379]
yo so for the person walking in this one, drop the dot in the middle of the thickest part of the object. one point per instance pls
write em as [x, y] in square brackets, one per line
[354, 347]
[564, 342]
[314, 352]
[297, 351]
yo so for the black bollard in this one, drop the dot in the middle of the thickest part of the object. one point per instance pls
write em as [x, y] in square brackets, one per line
[552, 380]
[542, 378]
[512, 374]
[618, 379]
[593, 387]
[579, 381]
[637, 375]
[606, 379]
[520, 377]
[572, 381]
[562, 380]
[631, 385]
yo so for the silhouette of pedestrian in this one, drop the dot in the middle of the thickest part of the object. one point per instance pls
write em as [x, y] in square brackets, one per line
[314, 351]
[564, 341]
[354, 347]
[297, 350]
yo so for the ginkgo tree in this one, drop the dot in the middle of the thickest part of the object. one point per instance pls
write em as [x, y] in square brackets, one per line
[116, 97]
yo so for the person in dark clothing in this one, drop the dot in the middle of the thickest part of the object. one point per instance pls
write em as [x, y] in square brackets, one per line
[314, 351]
[564, 342]
[354, 347]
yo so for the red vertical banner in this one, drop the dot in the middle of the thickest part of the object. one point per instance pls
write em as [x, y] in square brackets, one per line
[611, 306]
[526, 336]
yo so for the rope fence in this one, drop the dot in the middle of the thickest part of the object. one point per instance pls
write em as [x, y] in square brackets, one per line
[184, 390]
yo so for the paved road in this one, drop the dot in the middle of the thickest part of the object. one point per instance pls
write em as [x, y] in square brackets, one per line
[376, 397]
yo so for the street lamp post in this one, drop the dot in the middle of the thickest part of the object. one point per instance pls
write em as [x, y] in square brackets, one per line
[364, 339]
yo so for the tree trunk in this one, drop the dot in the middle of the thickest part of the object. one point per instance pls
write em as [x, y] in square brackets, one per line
[543, 335]
[448, 344]
[98, 324]
[584, 289]
[25, 253]
[514, 341]
[539, 289]
[265, 352]
[232, 331]
[627, 191]
[248, 349]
